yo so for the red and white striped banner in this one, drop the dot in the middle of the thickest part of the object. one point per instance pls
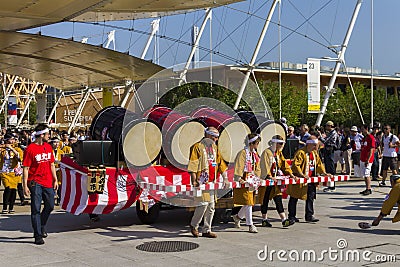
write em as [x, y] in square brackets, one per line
[191, 190]
[119, 190]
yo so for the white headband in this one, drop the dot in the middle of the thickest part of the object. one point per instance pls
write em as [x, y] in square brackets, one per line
[41, 132]
[277, 141]
[312, 141]
[211, 133]
[34, 134]
[254, 139]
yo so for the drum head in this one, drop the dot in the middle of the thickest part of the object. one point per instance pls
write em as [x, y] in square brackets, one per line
[231, 140]
[268, 130]
[142, 143]
[185, 136]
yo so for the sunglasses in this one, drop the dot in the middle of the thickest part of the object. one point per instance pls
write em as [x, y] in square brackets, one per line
[386, 128]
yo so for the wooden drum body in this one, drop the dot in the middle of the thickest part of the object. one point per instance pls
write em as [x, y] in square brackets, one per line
[179, 133]
[264, 127]
[232, 130]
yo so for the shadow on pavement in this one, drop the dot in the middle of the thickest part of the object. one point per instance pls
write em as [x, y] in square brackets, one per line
[375, 231]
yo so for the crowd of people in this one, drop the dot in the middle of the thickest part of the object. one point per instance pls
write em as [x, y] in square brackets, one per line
[29, 167]
[368, 152]
[362, 151]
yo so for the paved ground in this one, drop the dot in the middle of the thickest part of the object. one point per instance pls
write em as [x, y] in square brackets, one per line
[75, 241]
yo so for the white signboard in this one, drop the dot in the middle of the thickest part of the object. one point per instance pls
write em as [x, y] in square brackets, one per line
[313, 85]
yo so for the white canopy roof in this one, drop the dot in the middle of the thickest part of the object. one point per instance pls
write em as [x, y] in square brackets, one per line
[23, 14]
[66, 64]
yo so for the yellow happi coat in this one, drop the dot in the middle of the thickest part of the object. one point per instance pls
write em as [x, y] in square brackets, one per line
[267, 161]
[7, 175]
[198, 163]
[391, 201]
[244, 196]
[300, 166]
[57, 157]
[67, 149]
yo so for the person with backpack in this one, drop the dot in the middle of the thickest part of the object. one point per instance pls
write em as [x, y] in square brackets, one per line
[389, 144]
[338, 154]
[355, 142]
[331, 143]
[346, 150]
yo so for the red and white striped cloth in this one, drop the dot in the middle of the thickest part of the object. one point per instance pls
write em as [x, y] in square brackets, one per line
[120, 190]
[191, 190]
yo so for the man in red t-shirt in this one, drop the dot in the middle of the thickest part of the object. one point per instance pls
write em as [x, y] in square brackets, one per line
[367, 158]
[40, 180]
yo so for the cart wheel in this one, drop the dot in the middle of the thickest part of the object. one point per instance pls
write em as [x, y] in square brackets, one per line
[148, 217]
[226, 215]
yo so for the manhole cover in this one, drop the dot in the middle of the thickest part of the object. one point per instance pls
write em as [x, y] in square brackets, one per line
[167, 246]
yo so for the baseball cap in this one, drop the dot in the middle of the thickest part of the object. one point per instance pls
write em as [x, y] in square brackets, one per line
[354, 129]
[330, 123]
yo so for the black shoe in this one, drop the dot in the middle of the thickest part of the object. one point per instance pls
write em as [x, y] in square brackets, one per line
[294, 219]
[44, 233]
[287, 223]
[94, 217]
[312, 219]
[367, 192]
[266, 223]
[382, 183]
[39, 240]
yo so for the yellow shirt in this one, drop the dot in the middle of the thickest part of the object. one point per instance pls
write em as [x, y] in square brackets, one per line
[299, 166]
[243, 196]
[266, 163]
[198, 159]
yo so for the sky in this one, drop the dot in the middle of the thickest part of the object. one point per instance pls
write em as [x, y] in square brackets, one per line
[235, 29]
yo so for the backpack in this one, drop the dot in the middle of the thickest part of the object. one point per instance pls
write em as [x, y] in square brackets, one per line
[383, 138]
[339, 141]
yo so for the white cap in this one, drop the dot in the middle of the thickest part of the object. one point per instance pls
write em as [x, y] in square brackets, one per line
[354, 129]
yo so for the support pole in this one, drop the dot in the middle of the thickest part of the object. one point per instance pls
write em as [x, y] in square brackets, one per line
[8, 91]
[125, 96]
[53, 110]
[207, 16]
[338, 63]
[372, 63]
[79, 110]
[32, 95]
[255, 54]
[155, 24]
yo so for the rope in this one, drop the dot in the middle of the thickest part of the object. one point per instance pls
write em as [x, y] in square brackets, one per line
[309, 23]
[294, 31]
[334, 21]
[180, 36]
[229, 35]
[352, 90]
[290, 34]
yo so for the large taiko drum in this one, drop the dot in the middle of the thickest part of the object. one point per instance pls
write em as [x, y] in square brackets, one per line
[264, 127]
[107, 124]
[179, 133]
[142, 141]
[232, 130]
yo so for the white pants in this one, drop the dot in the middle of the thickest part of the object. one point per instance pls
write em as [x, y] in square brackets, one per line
[246, 211]
[365, 171]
